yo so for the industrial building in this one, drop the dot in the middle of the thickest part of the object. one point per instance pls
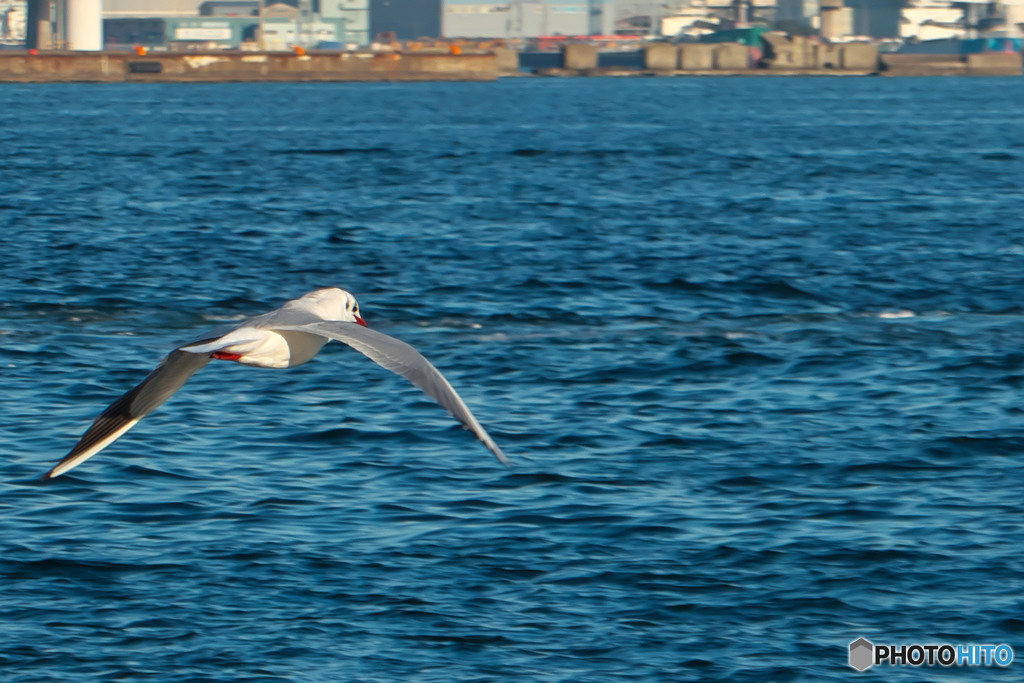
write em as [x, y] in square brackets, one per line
[283, 24]
[223, 32]
[12, 23]
[527, 18]
[406, 19]
[234, 23]
[511, 19]
[184, 24]
[908, 20]
[228, 23]
[128, 9]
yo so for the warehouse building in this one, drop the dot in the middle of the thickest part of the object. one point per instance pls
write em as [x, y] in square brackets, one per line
[527, 18]
[223, 24]
[406, 19]
[411, 19]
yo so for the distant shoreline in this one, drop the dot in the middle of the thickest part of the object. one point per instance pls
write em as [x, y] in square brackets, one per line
[320, 66]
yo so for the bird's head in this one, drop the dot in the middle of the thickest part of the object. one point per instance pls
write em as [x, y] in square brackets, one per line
[331, 303]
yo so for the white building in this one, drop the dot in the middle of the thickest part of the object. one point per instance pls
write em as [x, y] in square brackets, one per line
[356, 14]
[924, 20]
[138, 9]
[12, 22]
[526, 18]
[308, 28]
[700, 17]
[930, 20]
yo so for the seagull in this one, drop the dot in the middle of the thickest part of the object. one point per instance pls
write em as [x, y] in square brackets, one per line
[282, 338]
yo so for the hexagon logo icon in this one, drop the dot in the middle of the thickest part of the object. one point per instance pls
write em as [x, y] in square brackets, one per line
[862, 654]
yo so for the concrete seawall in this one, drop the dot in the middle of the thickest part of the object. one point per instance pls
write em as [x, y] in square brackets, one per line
[116, 67]
[981, 64]
[781, 55]
[726, 59]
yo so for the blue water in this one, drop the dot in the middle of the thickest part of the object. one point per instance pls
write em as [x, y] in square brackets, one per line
[754, 346]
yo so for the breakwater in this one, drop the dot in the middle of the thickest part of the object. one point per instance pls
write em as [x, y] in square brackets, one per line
[776, 56]
[22, 67]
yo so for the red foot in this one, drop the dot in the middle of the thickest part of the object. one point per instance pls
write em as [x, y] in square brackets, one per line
[224, 355]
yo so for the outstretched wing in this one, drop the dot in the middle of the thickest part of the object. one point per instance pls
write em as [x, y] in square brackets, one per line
[401, 358]
[173, 371]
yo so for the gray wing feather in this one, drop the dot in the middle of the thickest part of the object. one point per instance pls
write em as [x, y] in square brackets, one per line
[400, 358]
[173, 371]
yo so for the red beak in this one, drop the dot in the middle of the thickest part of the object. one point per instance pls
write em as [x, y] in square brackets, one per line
[360, 321]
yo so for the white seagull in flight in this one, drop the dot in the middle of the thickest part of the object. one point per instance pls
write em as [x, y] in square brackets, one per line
[283, 338]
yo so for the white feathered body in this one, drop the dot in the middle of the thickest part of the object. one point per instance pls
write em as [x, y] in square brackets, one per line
[265, 348]
[259, 344]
